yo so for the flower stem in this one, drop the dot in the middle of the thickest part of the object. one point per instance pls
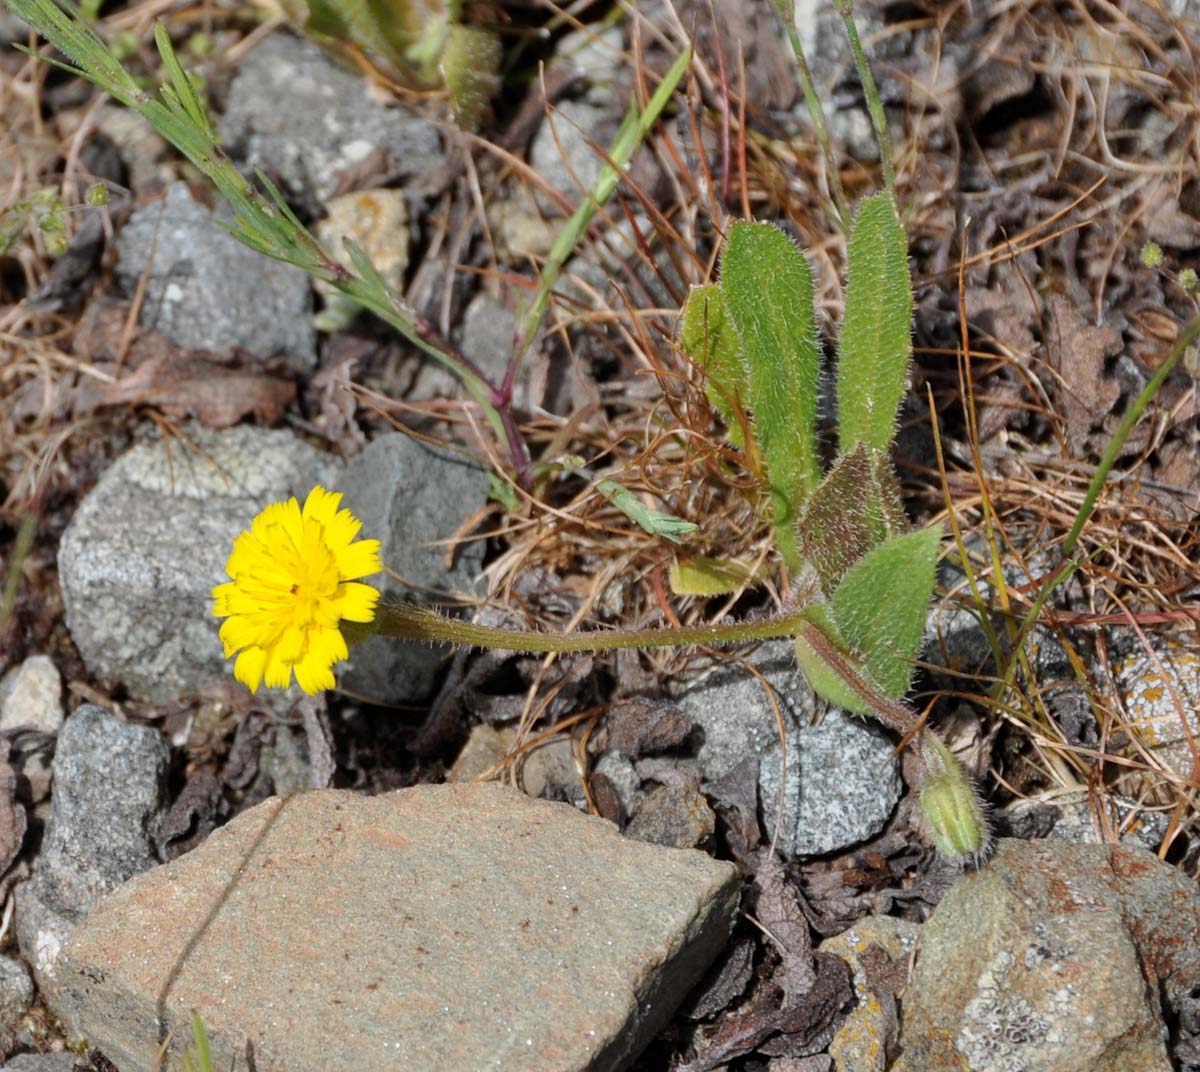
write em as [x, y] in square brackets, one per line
[408, 622]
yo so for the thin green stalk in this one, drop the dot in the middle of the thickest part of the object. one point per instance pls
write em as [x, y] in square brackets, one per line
[21, 548]
[786, 9]
[1116, 444]
[871, 90]
[406, 621]
[634, 130]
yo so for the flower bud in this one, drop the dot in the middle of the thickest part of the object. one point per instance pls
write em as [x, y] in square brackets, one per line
[951, 808]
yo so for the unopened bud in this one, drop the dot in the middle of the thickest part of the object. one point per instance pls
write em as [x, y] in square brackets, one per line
[951, 808]
[1152, 255]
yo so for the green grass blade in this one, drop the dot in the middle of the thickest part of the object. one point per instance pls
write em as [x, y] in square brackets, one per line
[769, 290]
[875, 345]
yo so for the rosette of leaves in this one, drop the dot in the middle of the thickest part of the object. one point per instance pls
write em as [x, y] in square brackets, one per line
[841, 531]
[426, 45]
[754, 335]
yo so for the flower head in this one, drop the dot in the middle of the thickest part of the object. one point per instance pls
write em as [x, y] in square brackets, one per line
[295, 578]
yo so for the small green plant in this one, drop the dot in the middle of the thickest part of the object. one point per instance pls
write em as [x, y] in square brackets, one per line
[198, 1057]
[422, 44]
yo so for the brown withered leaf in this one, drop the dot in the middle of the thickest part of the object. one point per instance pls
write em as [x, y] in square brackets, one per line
[1076, 351]
[780, 912]
[192, 817]
[724, 983]
[735, 800]
[216, 390]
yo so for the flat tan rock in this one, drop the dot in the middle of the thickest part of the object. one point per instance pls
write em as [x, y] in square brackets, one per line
[448, 927]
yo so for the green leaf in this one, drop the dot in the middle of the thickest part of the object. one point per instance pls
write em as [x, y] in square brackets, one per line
[875, 345]
[710, 339]
[655, 522]
[701, 576]
[769, 292]
[181, 85]
[827, 679]
[471, 70]
[880, 606]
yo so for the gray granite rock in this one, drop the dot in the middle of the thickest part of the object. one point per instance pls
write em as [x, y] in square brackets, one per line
[842, 776]
[139, 560]
[47, 1062]
[16, 991]
[208, 291]
[412, 498]
[1040, 962]
[31, 696]
[299, 115]
[109, 781]
[443, 927]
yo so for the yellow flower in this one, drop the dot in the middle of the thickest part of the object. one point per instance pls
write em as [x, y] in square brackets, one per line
[294, 579]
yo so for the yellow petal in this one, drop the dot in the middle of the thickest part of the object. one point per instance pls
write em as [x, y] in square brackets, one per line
[249, 667]
[314, 674]
[358, 560]
[356, 602]
[278, 673]
[341, 529]
[321, 505]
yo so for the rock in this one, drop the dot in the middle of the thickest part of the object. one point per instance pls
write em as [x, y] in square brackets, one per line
[674, 815]
[139, 560]
[1150, 684]
[1070, 818]
[1040, 962]
[16, 991]
[842, 776]
[109, 781]
[520, 934]
[377, 222]
[48, 1062]
[486, 746]
[874, 945]
[208, 291]
[31, 696]
[41, 935]
[299, 115]
[413, 498]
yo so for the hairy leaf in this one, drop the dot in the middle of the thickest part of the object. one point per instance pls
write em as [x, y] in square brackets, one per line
[881, 603]
[711, 340]
[769, 291]
[875, 345]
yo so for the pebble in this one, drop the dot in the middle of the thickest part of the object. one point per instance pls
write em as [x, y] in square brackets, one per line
[460, 927]
[295, 112]
[31, 697]
[411, 497]
[109, 784]
[16, 991]
[842, 776]
[208, 291]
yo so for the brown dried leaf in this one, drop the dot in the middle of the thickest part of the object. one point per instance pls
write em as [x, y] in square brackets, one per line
[735, 799]
[192, 817]
[1076, 351]
[724, 984]
[781, 915]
